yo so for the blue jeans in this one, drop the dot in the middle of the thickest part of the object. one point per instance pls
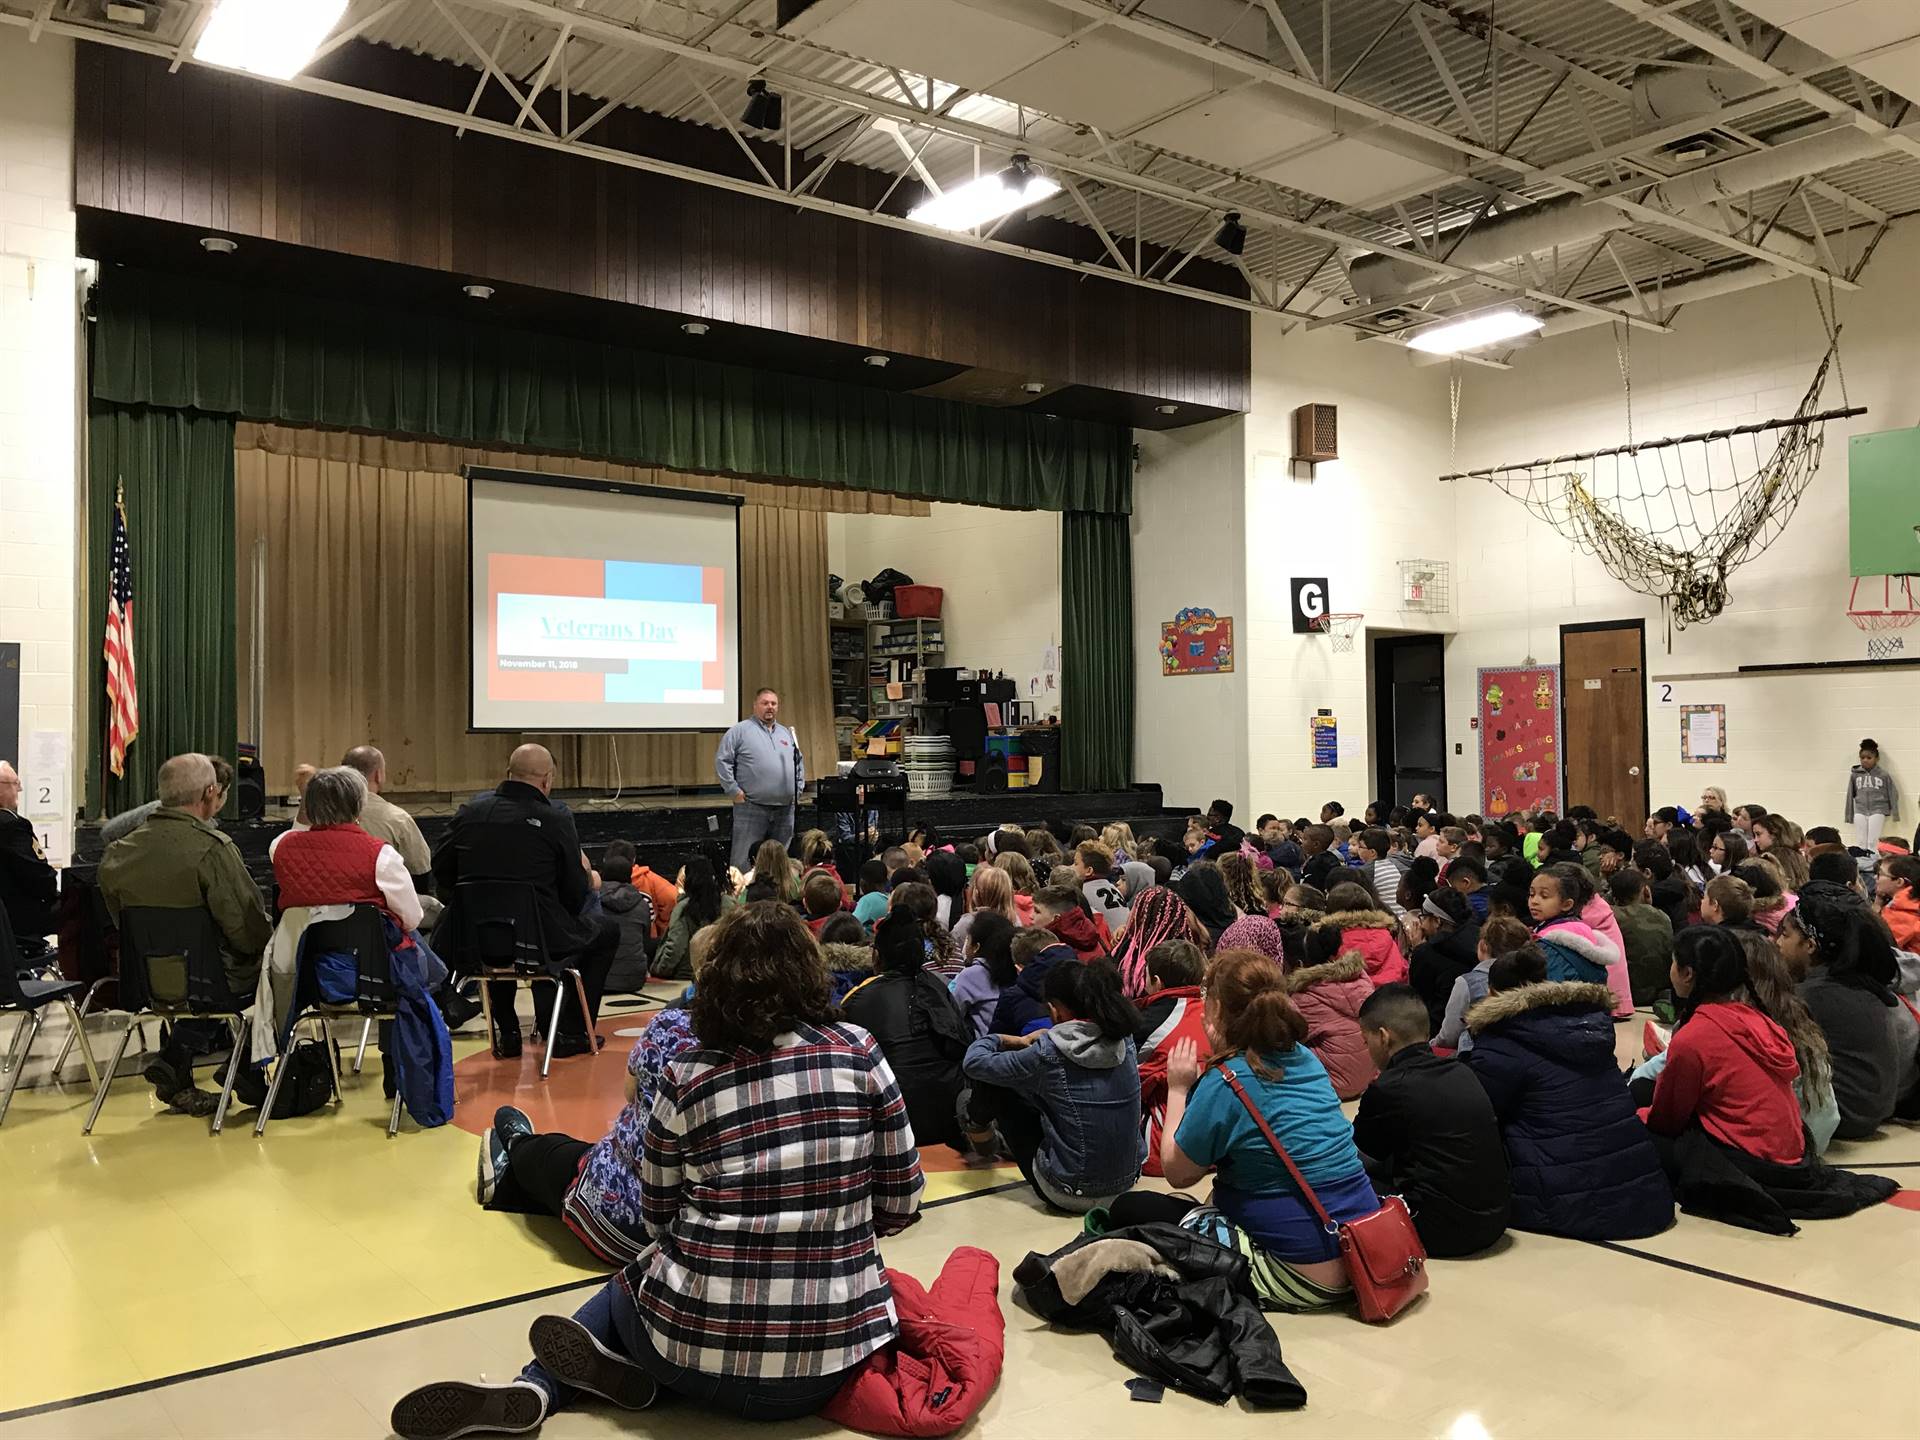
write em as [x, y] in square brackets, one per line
[610, 1317]
[753, 823]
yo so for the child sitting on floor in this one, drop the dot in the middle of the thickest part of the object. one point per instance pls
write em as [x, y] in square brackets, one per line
[821, 896]
[1364, 929]
[1058, 910]
[1021, 1007]
[1066, 1100]
[848, 953]
[1501, 935]
[1728, 901]
[1648, 934]
[1582, 1164]
[1328, 992]
[872, 903]
[1574, 951]
[1170, 1013]
[1427, 1131]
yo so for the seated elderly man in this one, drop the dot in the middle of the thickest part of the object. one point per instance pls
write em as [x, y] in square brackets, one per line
[180, 860]
[29, 890]
[520, 835]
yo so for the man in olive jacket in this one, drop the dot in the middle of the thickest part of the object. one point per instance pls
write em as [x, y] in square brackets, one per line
[180, 860]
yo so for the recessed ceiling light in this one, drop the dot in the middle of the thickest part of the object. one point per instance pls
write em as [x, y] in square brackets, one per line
[217, 245]
[1034, 387]
[879, 362]
[695, 327]
[1168, 409]
[477, 292]
[275, 38]
[1475, 331]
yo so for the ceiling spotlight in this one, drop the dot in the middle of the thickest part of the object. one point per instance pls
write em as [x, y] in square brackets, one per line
[879, 362]
[695, 327]
[765, 110]
[217, 245]
[477, 292]
[1232, 235]
[1168, 409]
[274, 38]
[988, 198]
[1475, 331]
[1034, 387]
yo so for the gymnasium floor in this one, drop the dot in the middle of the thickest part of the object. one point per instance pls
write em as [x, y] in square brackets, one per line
[158, 1282]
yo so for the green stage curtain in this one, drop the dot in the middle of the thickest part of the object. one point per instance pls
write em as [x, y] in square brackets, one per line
[178, 471]
[191, 344]
[1096, 681]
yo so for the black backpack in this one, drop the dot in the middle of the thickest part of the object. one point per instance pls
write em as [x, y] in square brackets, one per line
[308, 1086]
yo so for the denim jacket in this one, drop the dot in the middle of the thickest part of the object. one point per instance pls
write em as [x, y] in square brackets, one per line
[1087, 1089]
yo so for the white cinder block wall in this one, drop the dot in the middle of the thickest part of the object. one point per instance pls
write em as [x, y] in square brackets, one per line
[1352, 523]
[1000, 570]
[1729, 361]
[39, 556]
[1189, 499]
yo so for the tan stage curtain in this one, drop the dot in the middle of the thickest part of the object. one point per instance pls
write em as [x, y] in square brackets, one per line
[365, 589]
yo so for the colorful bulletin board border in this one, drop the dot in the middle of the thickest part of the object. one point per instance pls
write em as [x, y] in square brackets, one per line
[1703, 734]
[1519, 712]
[1196, 642]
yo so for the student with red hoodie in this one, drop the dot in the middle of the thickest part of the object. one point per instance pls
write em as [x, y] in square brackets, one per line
[1724, 1115]
[1895, 880]
[1057, 908]
[1172, 1012]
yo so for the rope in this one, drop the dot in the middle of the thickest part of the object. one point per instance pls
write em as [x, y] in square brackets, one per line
[1453, 409]
[1623, 356]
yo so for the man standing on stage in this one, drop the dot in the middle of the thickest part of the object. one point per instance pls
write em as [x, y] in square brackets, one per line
[760, 766]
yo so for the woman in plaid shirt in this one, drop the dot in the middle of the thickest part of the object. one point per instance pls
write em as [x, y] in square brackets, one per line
[778, 1151]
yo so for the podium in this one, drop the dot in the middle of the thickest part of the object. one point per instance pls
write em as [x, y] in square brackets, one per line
[862, 814]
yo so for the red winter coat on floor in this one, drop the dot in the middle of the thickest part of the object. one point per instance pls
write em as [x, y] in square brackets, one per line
[1370, 935]
[944, 1364]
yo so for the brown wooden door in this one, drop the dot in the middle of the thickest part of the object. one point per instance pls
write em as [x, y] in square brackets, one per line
[1606, 720]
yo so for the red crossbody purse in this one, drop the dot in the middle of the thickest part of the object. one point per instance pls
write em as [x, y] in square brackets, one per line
[1385, 1259]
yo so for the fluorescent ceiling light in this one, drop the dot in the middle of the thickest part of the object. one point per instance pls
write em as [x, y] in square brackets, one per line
[1475, 331]
[986, 199]
[275, 38]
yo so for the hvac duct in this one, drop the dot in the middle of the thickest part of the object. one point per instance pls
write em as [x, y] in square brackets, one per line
[1574, 219]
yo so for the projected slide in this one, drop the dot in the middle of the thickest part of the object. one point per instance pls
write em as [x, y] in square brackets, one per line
[599, 611]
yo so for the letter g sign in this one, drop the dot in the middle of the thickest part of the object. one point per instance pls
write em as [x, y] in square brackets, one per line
[1309, 603]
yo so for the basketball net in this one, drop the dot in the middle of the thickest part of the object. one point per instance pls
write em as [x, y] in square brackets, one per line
[1896, 611]
[1341, 627]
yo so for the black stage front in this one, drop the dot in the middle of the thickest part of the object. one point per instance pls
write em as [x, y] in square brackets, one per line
[666, 830]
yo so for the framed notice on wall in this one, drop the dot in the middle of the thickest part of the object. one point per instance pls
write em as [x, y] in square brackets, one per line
[1703, 734]
[1518, 707]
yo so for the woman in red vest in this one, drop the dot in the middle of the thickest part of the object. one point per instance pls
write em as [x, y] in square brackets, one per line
[333, 864]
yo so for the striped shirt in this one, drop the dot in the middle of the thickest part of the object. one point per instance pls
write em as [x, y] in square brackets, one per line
[765, 1179]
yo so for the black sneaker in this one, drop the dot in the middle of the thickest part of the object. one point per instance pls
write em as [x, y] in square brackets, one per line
[450, 1408]
[575, 1045]
[192, 1100]
[456, 1009]
[506, 1043]
[165, 1080]
[573, 1357]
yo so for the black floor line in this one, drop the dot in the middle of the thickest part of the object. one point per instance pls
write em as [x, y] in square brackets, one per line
[1785, 1294]
[311, 1347]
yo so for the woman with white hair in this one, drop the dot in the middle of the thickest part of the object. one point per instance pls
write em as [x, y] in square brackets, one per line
[1713, 800]
[331, 864]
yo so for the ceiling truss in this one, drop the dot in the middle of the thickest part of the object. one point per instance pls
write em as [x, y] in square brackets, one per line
[1111, 181]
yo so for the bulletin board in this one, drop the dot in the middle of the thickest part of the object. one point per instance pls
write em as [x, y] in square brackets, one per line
[1196, 642]
[1518, 713]
[1703, 734]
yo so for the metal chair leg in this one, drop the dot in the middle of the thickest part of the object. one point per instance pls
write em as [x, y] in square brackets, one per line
[333, 1057]
[279, 1074]
[366, 1029]
[237, 1025]
[393, 1120]
[28, 1027]
[66, 1047]
[78, 1020]
[106, 1077]
[586, 1011]
[553, 1028]
[486, 1006]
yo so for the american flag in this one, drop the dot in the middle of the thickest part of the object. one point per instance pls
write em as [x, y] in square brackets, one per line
[123, 687]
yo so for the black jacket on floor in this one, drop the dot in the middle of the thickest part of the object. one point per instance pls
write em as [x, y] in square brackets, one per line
[1429, 1124]
[1719, 1182]
[1201, 1333]
[1436, 964]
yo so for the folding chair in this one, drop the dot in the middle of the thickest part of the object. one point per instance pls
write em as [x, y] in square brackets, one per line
[363, 935]
[171, 970]
[498, 937]
[97, 928]
[29, 1000]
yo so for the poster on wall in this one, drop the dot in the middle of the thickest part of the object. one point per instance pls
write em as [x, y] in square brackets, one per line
[1703, 734]
[1325, 731]
[1196, 642]
[1518, 709]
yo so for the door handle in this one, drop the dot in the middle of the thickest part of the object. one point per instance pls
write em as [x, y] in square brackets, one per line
[1633, 770]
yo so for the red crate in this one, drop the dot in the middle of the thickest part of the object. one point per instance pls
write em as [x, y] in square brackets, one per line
[917, 602]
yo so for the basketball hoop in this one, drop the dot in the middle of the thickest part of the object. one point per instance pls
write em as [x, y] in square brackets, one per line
[1342, 626]
[1897, 608]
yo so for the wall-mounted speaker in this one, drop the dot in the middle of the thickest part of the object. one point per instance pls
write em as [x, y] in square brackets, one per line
[1316, 432]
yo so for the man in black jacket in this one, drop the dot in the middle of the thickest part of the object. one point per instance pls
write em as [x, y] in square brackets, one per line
[29, 889]
[1427, 1131]
[517, 834]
